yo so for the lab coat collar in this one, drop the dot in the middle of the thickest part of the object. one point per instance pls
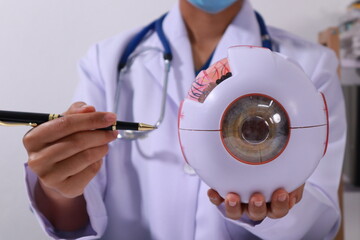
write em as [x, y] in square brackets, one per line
[244, 30]
[181, 72]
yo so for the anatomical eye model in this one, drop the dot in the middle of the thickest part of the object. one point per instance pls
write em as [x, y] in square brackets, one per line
[253, 122]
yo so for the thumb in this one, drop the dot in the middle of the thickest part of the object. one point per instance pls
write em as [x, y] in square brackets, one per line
[79, 107]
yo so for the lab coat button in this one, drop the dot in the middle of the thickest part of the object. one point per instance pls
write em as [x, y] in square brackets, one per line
[189, 170]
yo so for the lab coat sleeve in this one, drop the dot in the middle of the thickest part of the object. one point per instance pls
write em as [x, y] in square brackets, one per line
[31, 181]
[90, 90]
[317, 215]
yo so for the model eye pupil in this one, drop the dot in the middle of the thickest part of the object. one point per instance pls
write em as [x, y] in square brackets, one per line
[254, 130]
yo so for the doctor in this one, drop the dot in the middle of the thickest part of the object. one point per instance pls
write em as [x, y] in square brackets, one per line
[85, 184]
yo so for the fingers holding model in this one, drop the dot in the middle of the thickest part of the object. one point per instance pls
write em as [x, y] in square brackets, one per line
[66, 153]
[257, 208]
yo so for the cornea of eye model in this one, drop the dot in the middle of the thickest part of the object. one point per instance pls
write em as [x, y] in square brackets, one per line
[253, 122]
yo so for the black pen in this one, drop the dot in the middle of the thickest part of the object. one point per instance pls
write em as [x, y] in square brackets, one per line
[11, 118]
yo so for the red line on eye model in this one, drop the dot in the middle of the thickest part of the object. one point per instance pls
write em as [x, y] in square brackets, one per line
[321, 125]
[198, 130]
[327, 123]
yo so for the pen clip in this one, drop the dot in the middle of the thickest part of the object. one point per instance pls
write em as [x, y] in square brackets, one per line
[10, 124]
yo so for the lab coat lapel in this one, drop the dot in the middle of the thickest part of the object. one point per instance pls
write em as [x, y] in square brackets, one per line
[182, 72]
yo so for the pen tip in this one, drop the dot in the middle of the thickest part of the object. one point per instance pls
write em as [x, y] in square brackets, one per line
[146, 127]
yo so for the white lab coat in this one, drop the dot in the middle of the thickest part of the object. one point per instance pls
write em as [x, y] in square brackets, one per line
[142, 191]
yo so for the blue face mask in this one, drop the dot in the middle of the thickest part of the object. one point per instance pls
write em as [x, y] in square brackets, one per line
[212, 6]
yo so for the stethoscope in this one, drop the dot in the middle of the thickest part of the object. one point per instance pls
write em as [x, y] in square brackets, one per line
[130, 54]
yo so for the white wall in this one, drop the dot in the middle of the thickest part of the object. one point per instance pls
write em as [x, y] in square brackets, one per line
[40, 43]
[305, 18]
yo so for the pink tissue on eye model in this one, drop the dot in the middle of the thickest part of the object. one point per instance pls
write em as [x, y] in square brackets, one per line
[208, 79]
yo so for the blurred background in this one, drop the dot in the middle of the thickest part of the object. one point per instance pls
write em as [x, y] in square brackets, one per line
[42, 40]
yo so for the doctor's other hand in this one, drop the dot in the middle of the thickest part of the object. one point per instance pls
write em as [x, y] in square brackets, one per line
[257, 209]
[66, 153]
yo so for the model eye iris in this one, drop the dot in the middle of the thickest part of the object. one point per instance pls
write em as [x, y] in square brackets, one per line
[255, 129]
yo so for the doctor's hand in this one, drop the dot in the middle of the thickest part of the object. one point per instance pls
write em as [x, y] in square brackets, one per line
[66, 153]
[257, 209]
